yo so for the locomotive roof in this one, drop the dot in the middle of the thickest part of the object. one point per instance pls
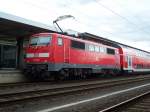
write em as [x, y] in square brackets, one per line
[76, 38]
[109, 42]
[98, 39]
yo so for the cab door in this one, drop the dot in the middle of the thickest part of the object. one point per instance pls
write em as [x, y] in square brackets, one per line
[66, 50]
[62, 49]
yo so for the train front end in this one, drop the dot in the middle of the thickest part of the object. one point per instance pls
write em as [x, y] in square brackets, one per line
[38, 55]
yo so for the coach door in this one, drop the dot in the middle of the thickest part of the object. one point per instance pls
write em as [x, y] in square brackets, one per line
[129, 62]
[66, 50]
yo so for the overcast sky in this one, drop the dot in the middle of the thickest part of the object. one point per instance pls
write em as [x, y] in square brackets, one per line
[125, 21]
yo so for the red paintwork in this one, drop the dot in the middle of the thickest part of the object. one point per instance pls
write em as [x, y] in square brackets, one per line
[136, 60]
[66, 54]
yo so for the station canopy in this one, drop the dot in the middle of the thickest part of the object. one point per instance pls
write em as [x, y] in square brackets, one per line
[17, 27]
[14, 26]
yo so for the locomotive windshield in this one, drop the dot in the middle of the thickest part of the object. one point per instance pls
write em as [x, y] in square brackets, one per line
[40, 40]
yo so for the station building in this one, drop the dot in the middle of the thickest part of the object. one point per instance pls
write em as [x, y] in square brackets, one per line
[14, 33]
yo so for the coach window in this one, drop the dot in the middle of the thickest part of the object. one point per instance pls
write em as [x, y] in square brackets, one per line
[78, 45]
[60, 41]
[110, 51]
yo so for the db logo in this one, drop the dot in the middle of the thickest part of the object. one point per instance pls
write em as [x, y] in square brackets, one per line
[36, 55]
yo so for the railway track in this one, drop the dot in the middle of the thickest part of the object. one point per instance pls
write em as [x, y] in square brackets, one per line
[140, 103]
[65, 89]
[125, 77]
[35, 86]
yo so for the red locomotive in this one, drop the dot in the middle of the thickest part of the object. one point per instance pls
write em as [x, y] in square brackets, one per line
[49, 53]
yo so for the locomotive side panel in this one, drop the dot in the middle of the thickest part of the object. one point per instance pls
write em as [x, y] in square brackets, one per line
[73, 53]
[92, 56]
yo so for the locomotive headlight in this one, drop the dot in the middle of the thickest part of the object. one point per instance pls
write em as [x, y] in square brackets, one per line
[44, 55]
[29, 55]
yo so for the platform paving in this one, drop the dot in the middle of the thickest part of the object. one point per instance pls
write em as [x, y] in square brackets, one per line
[11, 76]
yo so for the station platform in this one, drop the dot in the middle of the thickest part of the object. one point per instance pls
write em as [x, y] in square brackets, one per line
[11, 76]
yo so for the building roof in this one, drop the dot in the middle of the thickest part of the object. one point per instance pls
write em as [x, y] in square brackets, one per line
[14, 26]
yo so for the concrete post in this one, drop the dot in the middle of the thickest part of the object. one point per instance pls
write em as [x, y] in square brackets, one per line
[20, 53]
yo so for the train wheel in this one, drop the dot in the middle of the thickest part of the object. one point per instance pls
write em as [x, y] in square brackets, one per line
[63, 74]
[45, 75]
[84, 74]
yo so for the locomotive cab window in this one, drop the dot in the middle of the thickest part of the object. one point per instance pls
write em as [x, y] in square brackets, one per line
[78, 45]
[60, 41]
[40, 40]
[110, 51]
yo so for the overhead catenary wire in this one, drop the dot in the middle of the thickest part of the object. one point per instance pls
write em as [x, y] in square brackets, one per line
[66, 6]
[100, 4]
[122, 17]
[136, 28]
[83, 23]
